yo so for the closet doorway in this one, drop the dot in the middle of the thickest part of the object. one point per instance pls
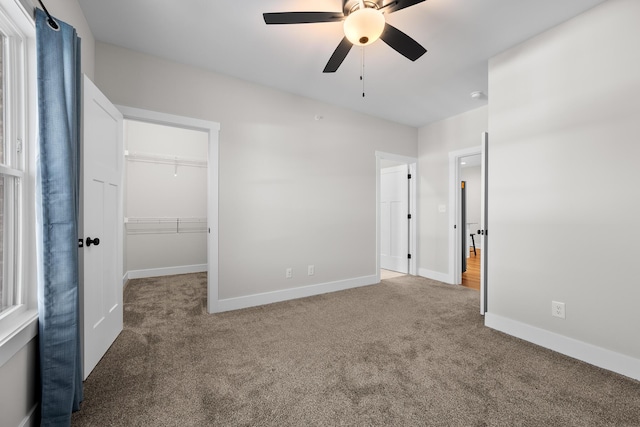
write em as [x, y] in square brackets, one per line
[165, 200]
[171, 197]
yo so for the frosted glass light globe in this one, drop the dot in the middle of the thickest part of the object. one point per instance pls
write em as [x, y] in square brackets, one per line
[364, 26]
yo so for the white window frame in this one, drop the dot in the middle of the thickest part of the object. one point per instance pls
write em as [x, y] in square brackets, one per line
[18, 325]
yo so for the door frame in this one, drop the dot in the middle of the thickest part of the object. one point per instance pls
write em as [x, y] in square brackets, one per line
[412, 163]
[455, 229]
[211, 129]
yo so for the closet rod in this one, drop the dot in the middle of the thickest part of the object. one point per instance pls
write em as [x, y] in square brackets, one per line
[53, 24]
[165, 160]
[160, 220]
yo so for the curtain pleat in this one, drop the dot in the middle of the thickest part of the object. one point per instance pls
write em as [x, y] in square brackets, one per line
[58, 57]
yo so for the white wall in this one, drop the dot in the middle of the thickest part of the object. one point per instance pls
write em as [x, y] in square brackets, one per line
[436, 141]
[293, 191]
[563, 126]
[161, 190]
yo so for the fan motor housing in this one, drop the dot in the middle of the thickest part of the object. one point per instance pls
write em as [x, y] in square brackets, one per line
[349, 6]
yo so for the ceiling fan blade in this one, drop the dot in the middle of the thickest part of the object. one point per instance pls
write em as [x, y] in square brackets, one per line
[301, 17]
[397, 5]
[402, 43]
[338, 56]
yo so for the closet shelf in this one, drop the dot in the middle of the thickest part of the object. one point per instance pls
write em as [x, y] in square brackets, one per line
[164, 160]
[163, 219]
[165, 225]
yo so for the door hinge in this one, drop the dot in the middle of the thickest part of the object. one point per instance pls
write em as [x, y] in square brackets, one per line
[409, 216]
[409, 176]
[80, 243]
[409, 256]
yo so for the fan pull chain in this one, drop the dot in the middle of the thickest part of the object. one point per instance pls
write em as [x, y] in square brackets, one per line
[362, 71]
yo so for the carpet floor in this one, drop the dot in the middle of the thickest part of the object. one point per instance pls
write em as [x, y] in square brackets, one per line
[407, 352]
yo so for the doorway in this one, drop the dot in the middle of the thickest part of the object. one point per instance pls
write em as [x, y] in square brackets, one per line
[457, 230]
[165, 202]
[211, 129]
[396, 223]
[471, 252]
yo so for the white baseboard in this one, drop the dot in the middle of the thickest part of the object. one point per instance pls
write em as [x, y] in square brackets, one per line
[293, 293]
[165, 271]
[598, 356]
[435, 275]
[31, 419]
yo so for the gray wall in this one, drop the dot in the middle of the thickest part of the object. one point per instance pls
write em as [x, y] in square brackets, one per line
[293, 190]
[563, 127]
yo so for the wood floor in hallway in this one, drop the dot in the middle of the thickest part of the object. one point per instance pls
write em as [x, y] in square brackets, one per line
[471, 278]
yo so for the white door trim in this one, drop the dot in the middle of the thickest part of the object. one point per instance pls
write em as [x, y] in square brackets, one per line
[455, 229]
[412, 163]
[212, 129]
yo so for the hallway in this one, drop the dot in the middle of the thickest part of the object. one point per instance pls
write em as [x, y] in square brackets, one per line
[471, 278]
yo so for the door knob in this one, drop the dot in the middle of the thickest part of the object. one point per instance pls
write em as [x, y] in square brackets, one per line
[91, 241]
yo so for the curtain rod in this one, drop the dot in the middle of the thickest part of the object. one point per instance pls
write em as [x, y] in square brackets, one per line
[53, 24]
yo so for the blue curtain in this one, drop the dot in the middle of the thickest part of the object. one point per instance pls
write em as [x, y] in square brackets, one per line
[58, 56]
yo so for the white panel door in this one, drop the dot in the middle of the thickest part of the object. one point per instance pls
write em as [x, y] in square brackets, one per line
[394, 222]
[101, 229]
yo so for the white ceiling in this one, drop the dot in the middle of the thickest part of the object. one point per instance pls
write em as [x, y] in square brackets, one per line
[231, 38]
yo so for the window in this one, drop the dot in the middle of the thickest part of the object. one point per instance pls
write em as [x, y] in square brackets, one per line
[11, 169]
[17, 181]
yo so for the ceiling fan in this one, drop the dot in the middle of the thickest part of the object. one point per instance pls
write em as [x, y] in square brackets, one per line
[364, 23]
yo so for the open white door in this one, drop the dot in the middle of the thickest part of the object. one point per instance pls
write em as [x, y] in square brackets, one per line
[101, 226]
[483, 222]
[394, 220]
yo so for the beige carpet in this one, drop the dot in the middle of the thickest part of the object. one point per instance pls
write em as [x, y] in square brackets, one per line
[407, 352]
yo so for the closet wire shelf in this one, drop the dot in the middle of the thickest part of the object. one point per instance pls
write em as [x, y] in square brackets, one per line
[165, 225]
[133, 156]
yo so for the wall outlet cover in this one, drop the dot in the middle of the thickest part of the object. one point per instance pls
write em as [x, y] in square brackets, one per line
[558, 309]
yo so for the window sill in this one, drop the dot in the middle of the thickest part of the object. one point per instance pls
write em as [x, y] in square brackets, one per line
[16, 333]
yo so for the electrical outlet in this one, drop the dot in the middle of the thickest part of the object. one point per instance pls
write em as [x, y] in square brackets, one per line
[289, 273]
[311, 270]
[557, 309]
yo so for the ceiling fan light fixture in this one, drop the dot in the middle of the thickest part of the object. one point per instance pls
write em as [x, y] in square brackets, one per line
[364, 26]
